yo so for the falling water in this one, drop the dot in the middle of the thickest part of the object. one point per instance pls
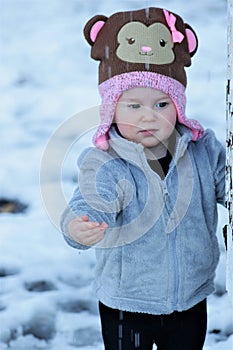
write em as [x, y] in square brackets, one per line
[120, 330]
[137, 340]
[147, 10]
[107, 52]
[120, 336]
[147, 58]
[109, 71]
[147, 62]
[121, 315]
[131, 16]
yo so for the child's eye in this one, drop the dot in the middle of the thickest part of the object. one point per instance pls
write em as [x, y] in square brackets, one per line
[134, 105]
[161, 104]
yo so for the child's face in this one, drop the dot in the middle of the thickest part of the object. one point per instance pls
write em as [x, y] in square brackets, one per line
[146, 116]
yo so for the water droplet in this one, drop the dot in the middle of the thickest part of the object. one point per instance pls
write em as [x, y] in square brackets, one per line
[131, 16]
[121, 315]
[137, 340]
[109, 71]
[147, 62]
[120, 331]
[147, 10]
[107, 52]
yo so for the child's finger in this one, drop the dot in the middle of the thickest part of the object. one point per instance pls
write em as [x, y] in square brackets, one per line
[81, 218]
[104, 225]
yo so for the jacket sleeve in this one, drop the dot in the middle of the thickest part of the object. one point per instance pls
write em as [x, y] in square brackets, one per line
[99, 193]
[217, 156]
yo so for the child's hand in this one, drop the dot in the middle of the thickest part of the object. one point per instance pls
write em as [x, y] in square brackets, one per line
[85, 232]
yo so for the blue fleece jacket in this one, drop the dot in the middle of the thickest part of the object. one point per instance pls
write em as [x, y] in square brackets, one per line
[160, 251]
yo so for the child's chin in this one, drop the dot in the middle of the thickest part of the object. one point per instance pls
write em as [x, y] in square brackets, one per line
[150, 142]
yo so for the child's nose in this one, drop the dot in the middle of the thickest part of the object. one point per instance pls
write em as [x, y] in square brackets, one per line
[148, 114]
[146, 49]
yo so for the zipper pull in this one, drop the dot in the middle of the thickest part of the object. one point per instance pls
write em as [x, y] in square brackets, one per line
[165, 191]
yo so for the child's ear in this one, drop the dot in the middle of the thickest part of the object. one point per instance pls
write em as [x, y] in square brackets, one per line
[192, 39]
[93, 27]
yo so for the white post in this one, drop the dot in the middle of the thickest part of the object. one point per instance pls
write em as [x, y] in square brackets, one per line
[229, 150]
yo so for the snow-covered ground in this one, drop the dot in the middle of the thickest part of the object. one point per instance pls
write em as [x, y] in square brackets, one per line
[47, 77]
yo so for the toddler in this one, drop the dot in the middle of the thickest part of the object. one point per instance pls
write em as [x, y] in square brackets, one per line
[147, 193]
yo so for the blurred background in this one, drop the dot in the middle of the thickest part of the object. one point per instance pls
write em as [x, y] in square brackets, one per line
[48, 103]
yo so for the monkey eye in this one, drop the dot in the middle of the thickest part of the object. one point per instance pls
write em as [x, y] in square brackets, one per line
[131, 41]
[162, 42]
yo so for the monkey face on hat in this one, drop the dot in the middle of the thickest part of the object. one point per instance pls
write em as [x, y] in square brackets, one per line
[144, 48]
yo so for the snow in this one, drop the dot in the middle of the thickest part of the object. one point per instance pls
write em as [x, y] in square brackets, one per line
[47, 83]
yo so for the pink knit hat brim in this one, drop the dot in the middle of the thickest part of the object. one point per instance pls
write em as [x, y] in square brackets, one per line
[111, 90]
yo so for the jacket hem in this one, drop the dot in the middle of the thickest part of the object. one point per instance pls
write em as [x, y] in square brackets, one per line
[148, 307]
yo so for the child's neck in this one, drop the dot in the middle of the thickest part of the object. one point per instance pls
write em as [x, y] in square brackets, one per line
[156, 152]
[162, 149]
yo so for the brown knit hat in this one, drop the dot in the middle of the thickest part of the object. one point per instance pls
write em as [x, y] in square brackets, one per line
[147, 47]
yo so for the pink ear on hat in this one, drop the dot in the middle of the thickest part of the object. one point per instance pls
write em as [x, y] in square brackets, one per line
[96, 29]
[93, 27]
[192, 40]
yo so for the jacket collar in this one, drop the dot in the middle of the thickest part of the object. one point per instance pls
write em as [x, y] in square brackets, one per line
[134, 152]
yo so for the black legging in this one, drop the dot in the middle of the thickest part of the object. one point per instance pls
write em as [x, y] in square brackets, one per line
[123, 330]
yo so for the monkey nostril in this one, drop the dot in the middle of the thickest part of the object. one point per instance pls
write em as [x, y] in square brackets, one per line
[146, 48]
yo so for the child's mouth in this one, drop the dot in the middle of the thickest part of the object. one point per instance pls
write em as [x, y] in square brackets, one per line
[149, 132]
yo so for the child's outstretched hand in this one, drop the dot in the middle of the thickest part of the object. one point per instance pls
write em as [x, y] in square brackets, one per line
[85, 232]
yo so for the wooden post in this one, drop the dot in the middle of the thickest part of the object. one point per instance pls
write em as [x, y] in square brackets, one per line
[229, 151]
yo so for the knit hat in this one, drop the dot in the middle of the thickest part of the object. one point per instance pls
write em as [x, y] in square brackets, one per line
[142, 48]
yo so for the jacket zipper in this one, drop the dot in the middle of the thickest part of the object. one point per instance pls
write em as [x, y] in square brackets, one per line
[176, 271]
[174, 253]
[173, 235]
